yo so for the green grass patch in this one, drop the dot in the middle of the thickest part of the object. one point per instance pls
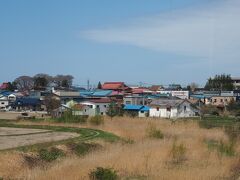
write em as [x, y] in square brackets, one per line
[83, 148]
[153, 132]
[51, 154]
[223, 148]
[217, 121]
[96, 120]
[101, 173]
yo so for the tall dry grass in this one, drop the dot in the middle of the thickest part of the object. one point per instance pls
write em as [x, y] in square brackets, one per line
[147, 157]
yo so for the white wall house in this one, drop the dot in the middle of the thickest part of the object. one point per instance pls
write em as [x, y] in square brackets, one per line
[169, 108]
[94, 107]
[5, 101]
[4, 104]
[91, 107]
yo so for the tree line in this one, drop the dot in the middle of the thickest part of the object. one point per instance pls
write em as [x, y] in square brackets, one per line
[40, 81]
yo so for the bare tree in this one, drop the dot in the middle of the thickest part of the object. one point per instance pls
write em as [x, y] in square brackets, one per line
[24, 83]
[46, 76]
[63, 80]
[51, 104]
[193, 86]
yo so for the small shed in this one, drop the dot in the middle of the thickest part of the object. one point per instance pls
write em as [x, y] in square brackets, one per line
[140, 110]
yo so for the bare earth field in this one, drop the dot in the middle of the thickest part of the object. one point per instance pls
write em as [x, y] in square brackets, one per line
[142, 157]
[15, 137]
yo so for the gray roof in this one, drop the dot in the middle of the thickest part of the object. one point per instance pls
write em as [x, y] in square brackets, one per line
[167, 102]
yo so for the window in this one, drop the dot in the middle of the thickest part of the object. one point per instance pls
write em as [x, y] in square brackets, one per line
[2, 103]
[142, 112]
[185, 108]
[226, 100]
[101, 113]
[221, 100]
[215, 100]
[105, 106]
[168, 108]
[97, 106]
[157, 108]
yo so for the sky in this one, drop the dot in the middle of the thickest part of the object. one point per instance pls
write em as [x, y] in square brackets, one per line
[148, 41]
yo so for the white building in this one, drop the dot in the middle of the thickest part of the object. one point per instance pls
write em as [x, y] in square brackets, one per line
[172, 108]
[236, 82]
[5, 100]
[179, 94]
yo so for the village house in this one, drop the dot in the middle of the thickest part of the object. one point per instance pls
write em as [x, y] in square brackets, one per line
[222, 100]
[116, 86]
[65, 96]
[139, 110]
[172, 108]
[135, 100]
[91, 107]
[182, 94]
[119, 90]
[155, 88]
[236, 82]
[6, 99]
[27, 104]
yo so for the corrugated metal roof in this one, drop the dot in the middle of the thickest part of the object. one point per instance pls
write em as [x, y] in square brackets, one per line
[25, 101]
[136, 107]
[102, 93]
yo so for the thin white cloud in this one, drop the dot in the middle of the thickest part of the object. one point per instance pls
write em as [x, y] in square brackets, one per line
[210, 32]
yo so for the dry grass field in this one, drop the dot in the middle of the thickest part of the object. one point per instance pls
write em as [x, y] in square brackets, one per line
[140, 157]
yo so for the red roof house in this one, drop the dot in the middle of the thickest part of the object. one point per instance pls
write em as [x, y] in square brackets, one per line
[116, 86]
[4, 86]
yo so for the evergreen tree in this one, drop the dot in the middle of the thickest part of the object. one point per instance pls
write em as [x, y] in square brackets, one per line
[220, 83]
[112, 110]
[99, 85]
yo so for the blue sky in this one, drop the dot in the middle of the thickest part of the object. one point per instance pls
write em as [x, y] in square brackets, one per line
[154, 41]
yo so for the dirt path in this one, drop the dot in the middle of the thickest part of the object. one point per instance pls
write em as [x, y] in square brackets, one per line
[15, 137]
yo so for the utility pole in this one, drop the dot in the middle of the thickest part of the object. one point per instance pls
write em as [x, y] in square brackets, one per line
[88, 84]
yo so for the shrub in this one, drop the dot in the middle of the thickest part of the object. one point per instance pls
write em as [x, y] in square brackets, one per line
[153, 132]
[209, 110]
[81, 149]
[178, 153]
[128, 141]
[233, 132]
[227, 149]
[223, 148]
[113, 110]
[50, 155]
[131, 114]
[103, 174]
[235, 170]
[68, 117]
[97, 120]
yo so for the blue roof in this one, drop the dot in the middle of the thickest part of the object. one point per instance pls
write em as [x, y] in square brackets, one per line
[200, 96]
[145, 108]
[102, 93]
[96, 93]
[26, 101]
[136, 107]
[5, 93]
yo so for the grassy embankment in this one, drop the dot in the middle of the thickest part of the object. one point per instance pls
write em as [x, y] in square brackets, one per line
[157, 149]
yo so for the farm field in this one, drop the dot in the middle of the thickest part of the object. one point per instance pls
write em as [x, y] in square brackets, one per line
[15, 137]
[147, 149]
